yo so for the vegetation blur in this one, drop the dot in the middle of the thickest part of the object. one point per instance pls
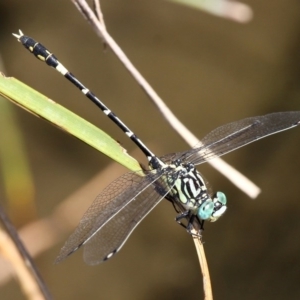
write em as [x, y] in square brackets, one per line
[212, 66]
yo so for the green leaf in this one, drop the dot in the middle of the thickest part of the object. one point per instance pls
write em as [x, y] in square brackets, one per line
[43, 107]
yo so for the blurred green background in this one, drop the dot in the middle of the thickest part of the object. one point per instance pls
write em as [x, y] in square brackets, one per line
[210, 71]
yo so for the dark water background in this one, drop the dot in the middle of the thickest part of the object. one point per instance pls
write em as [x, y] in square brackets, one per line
[209, 71]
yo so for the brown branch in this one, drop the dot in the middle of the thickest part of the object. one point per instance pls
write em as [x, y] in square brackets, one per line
[15, 252]
[98, 12]
[207, 288]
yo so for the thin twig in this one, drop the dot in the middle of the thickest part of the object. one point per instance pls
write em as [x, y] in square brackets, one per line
[196, 233]
[207, 288]
[197, 238]
[14, 250]
[228, 171]
[98, 12]
[99, 15]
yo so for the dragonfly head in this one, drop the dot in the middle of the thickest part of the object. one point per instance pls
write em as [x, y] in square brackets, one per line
[212, 209]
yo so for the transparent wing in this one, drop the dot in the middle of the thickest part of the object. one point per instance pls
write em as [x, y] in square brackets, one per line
[107, 204]
[234, 135]
[168, 158]
[112, 236]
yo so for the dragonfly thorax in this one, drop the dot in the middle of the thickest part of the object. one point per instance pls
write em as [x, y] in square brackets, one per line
[190, 191]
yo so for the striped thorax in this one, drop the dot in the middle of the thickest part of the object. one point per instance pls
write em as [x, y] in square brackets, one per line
[188, 188]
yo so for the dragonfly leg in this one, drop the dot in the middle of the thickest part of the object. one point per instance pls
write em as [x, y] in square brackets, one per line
[183, 215]
[192, 220]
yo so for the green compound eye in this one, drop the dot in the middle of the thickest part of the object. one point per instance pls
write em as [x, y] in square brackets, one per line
[206, 209]
[221, 197]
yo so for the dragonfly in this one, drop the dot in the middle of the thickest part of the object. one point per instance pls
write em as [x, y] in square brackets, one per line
[123, 204]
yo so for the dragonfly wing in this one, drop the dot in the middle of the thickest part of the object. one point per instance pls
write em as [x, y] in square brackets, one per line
[106, 205]
[234, 135]
[112, 236]
[168, 158]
